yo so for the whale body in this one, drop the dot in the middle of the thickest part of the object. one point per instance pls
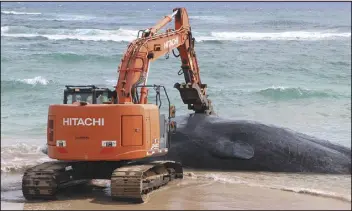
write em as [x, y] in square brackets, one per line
[214, 143]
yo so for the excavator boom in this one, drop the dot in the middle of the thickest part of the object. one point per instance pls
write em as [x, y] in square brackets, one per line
[134, 67]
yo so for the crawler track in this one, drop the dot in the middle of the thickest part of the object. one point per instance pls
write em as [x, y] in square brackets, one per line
[44, 180]
[135, 182]
[132, 182]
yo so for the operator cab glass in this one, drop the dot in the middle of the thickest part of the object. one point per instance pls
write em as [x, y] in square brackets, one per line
[102, 97]
[90, 94]
[80, 97]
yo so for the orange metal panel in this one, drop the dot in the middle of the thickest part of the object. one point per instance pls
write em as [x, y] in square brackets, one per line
[132, 130]
[85, 127]
[51, 130]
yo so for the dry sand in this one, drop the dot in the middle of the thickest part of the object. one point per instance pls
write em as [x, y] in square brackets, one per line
[196, 195]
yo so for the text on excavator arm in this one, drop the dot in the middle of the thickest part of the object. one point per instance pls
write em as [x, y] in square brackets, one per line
[134, 67]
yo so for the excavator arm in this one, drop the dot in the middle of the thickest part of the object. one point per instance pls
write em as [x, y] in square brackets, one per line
[134, 67]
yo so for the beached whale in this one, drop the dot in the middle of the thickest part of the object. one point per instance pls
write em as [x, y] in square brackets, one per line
[214, 143]
[210, 142]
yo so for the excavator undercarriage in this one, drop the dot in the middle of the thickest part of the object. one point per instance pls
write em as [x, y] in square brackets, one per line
[130, 181]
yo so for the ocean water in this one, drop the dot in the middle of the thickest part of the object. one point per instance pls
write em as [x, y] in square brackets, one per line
[285, 64]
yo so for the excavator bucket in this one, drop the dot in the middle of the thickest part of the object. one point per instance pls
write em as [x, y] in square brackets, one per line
[190, 93]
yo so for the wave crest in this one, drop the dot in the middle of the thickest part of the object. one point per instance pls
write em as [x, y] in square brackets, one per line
[35, 83]
[282, 93]
[317, 193]
[127, 35]
[208, 18]
[6, 12]
[117, 35]
[18, 157]
[66, 17]
[20, 148]
[239, 180]
[4, 29]
[289, 35]
[36, 80]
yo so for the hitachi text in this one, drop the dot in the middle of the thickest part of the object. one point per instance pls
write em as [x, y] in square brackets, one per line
[83, 122]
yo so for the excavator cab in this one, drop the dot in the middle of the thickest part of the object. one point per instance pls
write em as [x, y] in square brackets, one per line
[87, 93]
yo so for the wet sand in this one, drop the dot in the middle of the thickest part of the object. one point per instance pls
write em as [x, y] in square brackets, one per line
[196, 195]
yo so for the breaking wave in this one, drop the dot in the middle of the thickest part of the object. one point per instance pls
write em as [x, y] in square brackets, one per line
[19, 148]
[30, 81]
[18, 157]
[52, 17]
[37, 82]
[66, 17]
[11, 187]
[238, 180]
[286, 93]
[289, 35]
[4, 29]
[208, 18]
[118, 35]
[5, 12]
[317, 193]
[127, 35]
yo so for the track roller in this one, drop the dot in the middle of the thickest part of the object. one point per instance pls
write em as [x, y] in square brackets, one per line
[135, 182]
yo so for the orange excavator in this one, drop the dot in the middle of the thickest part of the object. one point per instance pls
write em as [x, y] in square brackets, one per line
[99, 133]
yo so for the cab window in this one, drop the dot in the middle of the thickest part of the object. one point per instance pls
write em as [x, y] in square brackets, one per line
[102, 97]
[79, 97]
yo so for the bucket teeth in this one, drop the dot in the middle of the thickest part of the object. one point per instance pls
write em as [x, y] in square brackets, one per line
[193, 96]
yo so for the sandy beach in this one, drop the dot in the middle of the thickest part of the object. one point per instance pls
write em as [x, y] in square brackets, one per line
[197, 194]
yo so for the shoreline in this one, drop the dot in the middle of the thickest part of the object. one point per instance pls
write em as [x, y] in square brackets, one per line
[202, 190]
[196, 195]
